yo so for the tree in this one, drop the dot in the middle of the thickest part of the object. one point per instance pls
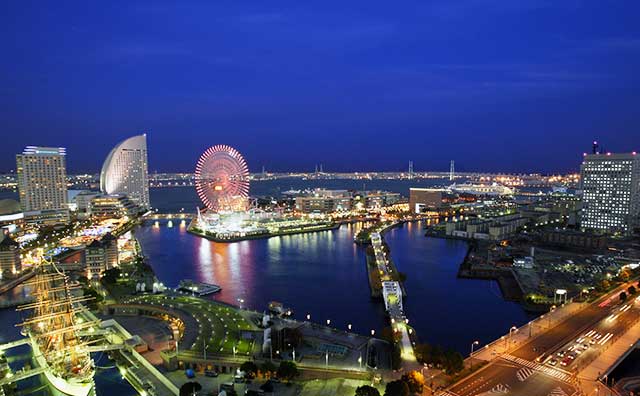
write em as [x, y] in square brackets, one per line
[452, 361]
[631, 290]
[604, 285]
[396, 388]
[424, 353]
[97, 298]
[366, 390]
[250, 368]
[268, 368]
[287, 370]
[387, 334]
[190, 388]
[623, 296]
[625, 274]
[414, 380]
[110, 276]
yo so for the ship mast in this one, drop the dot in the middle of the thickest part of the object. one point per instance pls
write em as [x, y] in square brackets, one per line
[55, 322]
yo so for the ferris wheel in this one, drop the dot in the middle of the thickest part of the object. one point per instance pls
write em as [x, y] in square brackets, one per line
[222, 179]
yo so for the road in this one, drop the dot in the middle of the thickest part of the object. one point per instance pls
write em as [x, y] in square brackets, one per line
[534, 368]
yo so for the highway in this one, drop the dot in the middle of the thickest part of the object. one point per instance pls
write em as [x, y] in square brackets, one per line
[542, 366]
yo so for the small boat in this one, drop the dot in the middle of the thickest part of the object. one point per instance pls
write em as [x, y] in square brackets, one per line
[198, 288]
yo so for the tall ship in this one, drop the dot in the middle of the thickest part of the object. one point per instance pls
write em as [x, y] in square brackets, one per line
[493, 189]
[53, 324]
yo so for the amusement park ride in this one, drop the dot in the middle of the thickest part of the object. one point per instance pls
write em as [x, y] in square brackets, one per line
[222, 179]
[222, 183]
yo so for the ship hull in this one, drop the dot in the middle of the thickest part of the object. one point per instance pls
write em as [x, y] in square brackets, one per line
[61, 386]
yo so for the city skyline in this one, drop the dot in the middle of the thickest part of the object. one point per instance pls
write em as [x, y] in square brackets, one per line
[320, 198]
[493, 86]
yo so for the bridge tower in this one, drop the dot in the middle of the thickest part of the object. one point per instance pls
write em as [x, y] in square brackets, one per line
[452, 170]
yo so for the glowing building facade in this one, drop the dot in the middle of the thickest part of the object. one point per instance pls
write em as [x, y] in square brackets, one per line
[42, 182]
[125, 171]
[611, 192]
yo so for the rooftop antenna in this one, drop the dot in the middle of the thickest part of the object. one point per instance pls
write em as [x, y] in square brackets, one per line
[594, 147]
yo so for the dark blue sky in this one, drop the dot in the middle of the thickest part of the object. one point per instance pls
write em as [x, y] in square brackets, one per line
[356, 85]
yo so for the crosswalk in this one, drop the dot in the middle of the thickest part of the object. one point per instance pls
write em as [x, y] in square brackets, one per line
[500, 388]
[537, 367]
[524, 373]
[558, 392]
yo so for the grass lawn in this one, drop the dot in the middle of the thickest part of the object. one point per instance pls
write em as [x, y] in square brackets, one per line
[220, 325]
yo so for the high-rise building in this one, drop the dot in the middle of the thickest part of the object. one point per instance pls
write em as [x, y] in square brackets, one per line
[425, 199]
[101, 255]
[10, 262]
[125, 171]
[42, 183]
[610, 192]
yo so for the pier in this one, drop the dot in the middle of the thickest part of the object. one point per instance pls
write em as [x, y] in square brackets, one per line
[392, 292]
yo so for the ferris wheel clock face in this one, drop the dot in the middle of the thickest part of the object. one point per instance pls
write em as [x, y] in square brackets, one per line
[222, 179]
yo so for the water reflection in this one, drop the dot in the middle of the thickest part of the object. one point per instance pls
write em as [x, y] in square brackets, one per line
[324, 274]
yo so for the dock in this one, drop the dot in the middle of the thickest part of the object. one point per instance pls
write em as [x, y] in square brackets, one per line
[198, 288]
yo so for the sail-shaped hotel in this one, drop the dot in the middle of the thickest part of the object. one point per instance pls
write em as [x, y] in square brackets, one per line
[125, 171]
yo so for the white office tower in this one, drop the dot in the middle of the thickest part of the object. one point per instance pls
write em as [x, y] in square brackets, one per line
[42, 182]
[125, 171]
[611, 192]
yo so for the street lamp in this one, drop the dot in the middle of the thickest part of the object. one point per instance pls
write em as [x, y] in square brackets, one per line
[512, 330]
[473, 344]
[349, 326]
[373, 332]
[328, 322]
[308, 316]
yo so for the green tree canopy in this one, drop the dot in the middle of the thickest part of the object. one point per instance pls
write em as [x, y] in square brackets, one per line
[415, 381]
[250, 368]
[268, 368]
[396, 388]
[366, 390]
[287, 370]
[110, 276]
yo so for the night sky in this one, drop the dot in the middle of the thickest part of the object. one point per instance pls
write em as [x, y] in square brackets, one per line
[497, 85]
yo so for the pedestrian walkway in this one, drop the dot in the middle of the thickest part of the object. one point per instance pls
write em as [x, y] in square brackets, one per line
[392, 293]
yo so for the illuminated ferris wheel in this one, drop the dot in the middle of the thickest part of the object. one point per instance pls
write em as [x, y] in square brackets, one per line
[222, 179]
